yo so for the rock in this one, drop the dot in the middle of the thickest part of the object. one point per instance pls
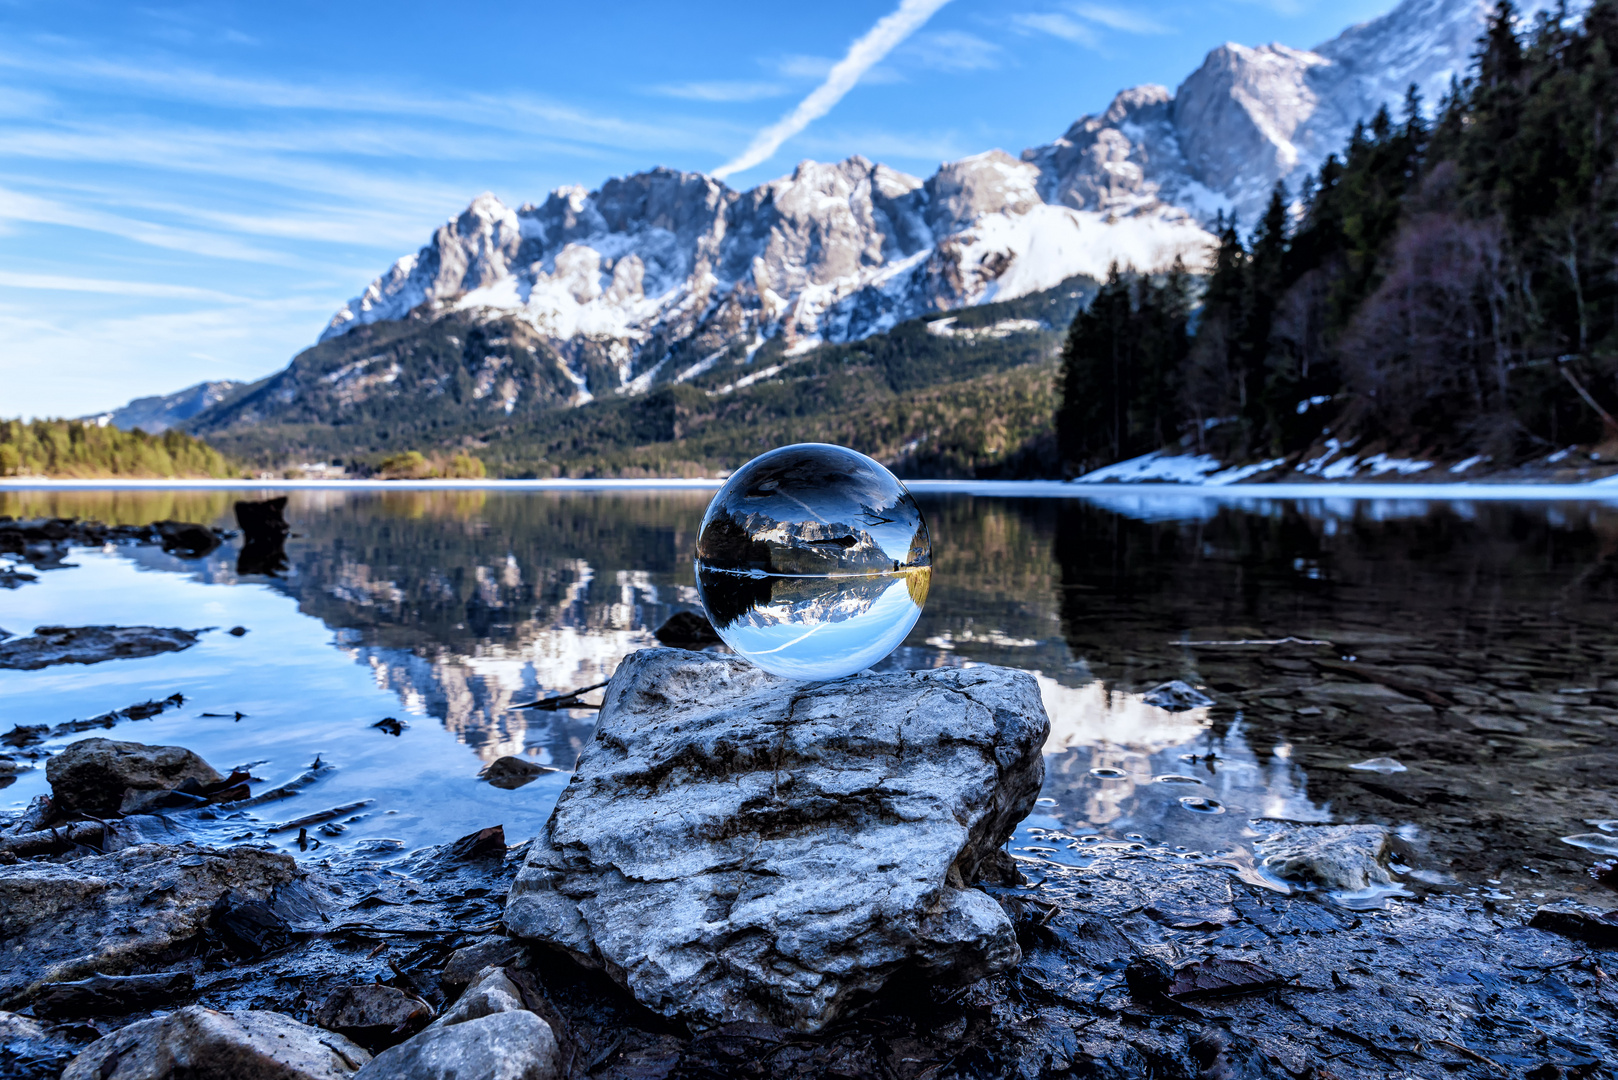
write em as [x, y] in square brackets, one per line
[96, 776]
[1575, 920]
[1176, 696]
[201, 1044]
[686, 630]
[90, 645]
[466, 963]
[513, 772]
[737, 846]
[264, 535]
[1339, 858]
[488, 1035]
[487, 843]
[111, 914]
[29, 1049]
[103, 995]
[1385, 765]
[11, 766]
[186, 539]
[372, 1014]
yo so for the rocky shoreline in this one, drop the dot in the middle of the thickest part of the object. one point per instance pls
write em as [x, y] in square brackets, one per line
[135, 952]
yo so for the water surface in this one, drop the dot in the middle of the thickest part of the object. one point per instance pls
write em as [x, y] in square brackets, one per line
[1472, 643]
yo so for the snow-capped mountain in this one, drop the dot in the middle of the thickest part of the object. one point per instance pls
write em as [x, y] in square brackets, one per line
[654, 276]
[160, 412]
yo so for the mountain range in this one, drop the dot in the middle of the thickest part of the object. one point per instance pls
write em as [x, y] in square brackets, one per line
[668, 277]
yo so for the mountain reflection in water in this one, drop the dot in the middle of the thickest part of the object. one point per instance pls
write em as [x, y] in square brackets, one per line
[1472, 642]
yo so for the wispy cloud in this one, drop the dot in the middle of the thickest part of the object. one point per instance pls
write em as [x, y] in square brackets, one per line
[106, 287]
[1115, 18]
[953, 51]
[1077, 23]
[1056, 24]
[18, 206]
[720, 90]
[890, 31]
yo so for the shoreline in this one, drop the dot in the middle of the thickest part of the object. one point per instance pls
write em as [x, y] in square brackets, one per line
[1594, 490]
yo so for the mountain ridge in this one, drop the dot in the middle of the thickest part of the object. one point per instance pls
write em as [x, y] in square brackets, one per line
[663, 276]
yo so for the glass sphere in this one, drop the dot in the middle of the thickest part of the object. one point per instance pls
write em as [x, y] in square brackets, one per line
[813, 561]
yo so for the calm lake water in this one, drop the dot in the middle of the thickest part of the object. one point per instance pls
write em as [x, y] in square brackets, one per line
[1471, 643]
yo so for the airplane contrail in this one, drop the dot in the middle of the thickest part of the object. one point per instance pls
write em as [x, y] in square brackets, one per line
[864, 54]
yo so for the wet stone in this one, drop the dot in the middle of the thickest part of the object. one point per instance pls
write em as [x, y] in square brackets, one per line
[372, 1014]
[90, 645]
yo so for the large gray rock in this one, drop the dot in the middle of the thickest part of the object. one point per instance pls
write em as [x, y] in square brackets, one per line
[488, 1035]
[201, 1044]
[738, 846]
[91, 645]
[94, 776]
[124, 912]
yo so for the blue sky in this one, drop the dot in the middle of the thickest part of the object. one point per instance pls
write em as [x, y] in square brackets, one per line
[189, 192]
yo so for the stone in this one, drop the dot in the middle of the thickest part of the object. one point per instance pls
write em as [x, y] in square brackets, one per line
[372, 1014]
[1572, 919]
[95, 776]
[1176, 696]
[488, 1035]
[124, 912]
[735, 846]
[202, 1044]
[464, 964]
[29, 1049]
[1338, 858]
[90, 645]
[687, 630]
[513, 772]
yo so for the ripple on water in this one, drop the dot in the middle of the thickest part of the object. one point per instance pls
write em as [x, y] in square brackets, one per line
[1175, 778]
[1199, 805]
[1106, 772]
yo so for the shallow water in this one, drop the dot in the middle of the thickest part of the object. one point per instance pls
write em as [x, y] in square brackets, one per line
[1471, 643]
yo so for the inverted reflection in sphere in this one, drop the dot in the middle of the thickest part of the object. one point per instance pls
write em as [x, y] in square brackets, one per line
[813, 561]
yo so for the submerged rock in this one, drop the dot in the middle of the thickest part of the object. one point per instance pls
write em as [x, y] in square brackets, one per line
[118, 913]
[1177, 696]
[98, 776]
[513, 772]
[737, 846]
[488, 1034]
[202, 1044]
[1339, 858]
[90, 645]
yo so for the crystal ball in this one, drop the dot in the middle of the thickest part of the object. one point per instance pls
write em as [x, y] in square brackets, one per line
[813, 561]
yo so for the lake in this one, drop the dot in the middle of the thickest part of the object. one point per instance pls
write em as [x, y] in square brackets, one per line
[1442, 667]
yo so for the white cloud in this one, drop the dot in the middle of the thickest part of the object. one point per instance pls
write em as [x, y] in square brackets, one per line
[953, 51]
[720, 90]
[1114, 18]
[1058, 25]
[890, 31]
[18, 206]
[104, 286]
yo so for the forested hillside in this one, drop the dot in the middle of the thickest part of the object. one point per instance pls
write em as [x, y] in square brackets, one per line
[1449, 288]
[959, 394]
[73, 448]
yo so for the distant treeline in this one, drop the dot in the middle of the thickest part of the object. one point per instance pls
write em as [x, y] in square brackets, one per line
[1450, 286]
[75, 449]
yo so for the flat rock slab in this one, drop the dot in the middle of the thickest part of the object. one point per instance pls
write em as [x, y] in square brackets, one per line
[735, 846]
[125, 912]
[90, 645]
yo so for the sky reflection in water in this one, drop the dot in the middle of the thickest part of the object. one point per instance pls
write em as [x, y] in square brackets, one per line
[445, 609]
